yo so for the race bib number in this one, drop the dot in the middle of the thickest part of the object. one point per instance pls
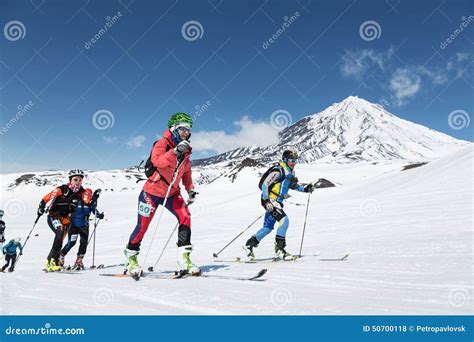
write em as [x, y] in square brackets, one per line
[144, 209]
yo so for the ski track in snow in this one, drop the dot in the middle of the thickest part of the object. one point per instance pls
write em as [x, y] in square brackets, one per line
[409, 236]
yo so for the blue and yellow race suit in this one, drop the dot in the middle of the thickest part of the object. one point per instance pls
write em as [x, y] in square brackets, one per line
[275, 187]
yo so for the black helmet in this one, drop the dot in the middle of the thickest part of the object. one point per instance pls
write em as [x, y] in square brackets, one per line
[289, 154]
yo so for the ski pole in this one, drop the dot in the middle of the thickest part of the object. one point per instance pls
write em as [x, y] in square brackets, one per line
[93, 246]
[304, 225]
[215, 255]
[151, 268]
[26, 240]
[175, 175]
[96, 223]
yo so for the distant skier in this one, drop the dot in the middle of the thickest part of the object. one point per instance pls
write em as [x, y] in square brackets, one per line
[167, 152]
[79, 227]
[64, 200]
[9, 250]
[2, 229]
[275, 184]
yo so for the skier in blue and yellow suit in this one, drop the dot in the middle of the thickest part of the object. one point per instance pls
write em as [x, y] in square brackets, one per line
[275, 184]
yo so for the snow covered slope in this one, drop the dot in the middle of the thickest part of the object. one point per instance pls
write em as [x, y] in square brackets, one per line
[408, 233]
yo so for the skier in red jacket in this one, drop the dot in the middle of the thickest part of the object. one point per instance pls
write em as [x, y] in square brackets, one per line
[168, 152]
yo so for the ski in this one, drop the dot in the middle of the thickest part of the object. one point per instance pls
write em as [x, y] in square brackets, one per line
[63, 271]
[163, 275]
[98, 267]
[261, 260]
[146, 275]
[344, 258]
[273, 259]
[256, 277]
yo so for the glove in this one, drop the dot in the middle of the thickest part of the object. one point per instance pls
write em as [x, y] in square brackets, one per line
[309, 188]
[182, 147]
[267, 204]
[95, 195]
[3, 251]
[41, 208]
[21, 253]
[192, 196]
[100, 216]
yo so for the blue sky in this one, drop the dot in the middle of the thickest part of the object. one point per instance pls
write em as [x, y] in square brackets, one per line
[130, 64]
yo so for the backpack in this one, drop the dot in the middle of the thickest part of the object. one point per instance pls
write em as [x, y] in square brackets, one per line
[150, 169]
[265, 175]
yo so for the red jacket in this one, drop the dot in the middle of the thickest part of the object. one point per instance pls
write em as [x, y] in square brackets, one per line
[164, 159]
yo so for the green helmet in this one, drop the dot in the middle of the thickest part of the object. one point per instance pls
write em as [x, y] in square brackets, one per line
[180, 118]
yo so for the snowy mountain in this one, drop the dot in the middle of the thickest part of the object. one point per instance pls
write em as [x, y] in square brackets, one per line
[351, 130]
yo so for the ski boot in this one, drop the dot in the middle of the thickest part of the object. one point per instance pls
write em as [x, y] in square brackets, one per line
[280, 252]
[54, 266]
[131, 262]
[249, 246]
[186, 266]
[61, 260]
[78, 265]
[46, 267]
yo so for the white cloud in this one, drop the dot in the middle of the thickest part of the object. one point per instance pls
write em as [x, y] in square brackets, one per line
[405, 84]
[437, 77]
[249, 133]
[355, 64]
[136, 142]
[110, 140]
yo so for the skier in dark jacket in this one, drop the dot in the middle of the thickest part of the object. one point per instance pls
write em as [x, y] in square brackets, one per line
[63, 200]
[2, 229]
[79, 226]
[275, 184]
[10, 253]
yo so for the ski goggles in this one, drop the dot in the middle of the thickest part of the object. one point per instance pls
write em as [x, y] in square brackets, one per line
[184, 129]
[291, 160]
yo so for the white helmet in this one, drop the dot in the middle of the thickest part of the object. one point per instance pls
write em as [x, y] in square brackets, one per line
[17, 239]
[76, 172]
